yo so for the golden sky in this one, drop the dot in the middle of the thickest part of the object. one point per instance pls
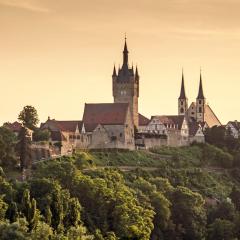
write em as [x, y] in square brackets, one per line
[58, 54]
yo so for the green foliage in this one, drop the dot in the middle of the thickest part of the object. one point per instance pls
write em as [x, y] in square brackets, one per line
[3, 209]
[23, 148]
[188, 213]
[29, 117]
[221, 229]
[41, 135]
[7, 148]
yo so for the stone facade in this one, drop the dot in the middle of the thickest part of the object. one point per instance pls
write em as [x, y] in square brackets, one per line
[109, 125]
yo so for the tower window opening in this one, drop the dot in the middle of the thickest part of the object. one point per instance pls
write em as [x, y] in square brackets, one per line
[200, 110]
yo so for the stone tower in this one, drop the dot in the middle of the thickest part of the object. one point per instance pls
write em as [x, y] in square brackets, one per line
[126, 85]
[200, 103]
[182, 100]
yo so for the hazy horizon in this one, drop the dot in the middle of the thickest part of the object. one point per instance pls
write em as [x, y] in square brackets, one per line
[58, 55]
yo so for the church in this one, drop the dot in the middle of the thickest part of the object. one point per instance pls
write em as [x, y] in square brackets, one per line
[119, 125]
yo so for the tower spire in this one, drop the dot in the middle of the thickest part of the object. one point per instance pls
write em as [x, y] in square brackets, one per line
[114, 71]
[125, 52]
[136, 74]
[200, 90]
[182, 93]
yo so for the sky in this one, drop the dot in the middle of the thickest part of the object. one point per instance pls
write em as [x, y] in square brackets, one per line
[57, 55]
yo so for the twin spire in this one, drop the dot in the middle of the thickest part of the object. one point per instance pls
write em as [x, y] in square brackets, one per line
[200, 90]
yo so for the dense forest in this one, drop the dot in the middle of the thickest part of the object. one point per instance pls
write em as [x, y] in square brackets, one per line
[165, 193]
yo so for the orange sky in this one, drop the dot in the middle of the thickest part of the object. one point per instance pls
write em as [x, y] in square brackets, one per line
[58, 54]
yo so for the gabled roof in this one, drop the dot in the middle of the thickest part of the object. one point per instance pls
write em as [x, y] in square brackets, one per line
[193, 128]
[176, 120]
[69, 126]
[142, 120]
[65, 126]
[210, 117]
[15, 127]
[57, 136]
[105, 114]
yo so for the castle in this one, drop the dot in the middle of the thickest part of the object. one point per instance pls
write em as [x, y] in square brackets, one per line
[120, 125]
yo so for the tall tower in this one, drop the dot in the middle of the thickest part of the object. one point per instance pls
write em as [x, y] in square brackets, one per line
[182, 100]
[126, 85]
[200, 103]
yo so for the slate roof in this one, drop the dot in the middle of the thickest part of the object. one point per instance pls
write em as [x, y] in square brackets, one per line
[182, 92]
[142, 120]
[193, 128]
[105, 114]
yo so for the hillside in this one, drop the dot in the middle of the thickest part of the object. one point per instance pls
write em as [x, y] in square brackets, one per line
[165, 193]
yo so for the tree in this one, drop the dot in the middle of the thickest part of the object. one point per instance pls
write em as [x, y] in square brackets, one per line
[29, 209]
[41, 135]
[23, 148]
[188, 213]
[72, 217]
[235, 196]
[3, 209]
[29, 117]
[7, 147]
[221, 229]
[14, 231]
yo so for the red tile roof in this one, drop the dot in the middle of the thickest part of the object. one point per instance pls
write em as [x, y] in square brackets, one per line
[177, 121]
[143, 121]
[104, 113]
[65, 126]
[69, 126]
[15, 127]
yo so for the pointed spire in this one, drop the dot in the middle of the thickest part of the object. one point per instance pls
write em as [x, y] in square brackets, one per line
[200, 91]
[182, 93]
[136, 74]
[125, 52]
[114, 71]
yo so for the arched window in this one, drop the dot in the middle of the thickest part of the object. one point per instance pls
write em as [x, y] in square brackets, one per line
[200, 110]
[200, 101]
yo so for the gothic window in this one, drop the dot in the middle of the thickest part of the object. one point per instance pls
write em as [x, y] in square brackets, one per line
[200, 110]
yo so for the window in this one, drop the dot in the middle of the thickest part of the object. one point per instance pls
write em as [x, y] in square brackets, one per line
[200, 110]
[200, 101]
[181, 102]
[120, 135]
[182, 110]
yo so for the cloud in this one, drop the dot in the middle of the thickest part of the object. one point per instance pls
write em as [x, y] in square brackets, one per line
[29, 5]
